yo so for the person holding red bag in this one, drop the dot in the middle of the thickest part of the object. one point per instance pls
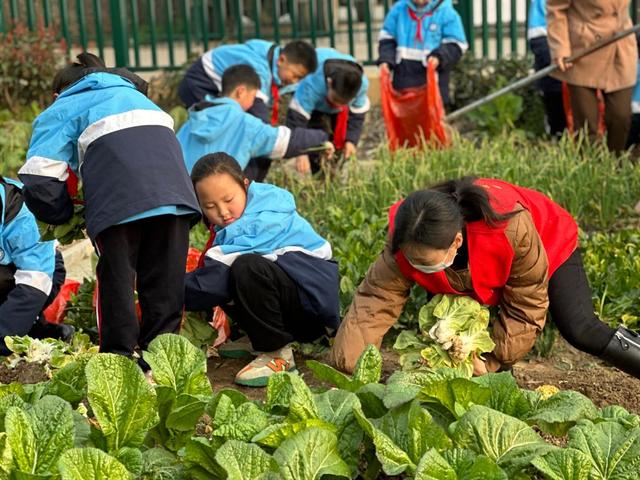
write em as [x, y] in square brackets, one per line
[502, 245]
[416, 32]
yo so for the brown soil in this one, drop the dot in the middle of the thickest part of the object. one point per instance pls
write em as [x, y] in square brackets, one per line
[567, 369]
[25, 373]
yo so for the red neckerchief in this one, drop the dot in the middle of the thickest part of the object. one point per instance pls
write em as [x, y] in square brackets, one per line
[275, 94]
[414, 16]
[340, 131]
[212, 237]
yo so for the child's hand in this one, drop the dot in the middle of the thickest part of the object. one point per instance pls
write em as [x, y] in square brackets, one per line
[349, 150]
[329, 151]
[303, 165]
[434, 61]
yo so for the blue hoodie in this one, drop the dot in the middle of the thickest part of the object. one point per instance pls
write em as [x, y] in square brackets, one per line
[311, 96]
[31, 261]
[406, 49]
[118, 143]
[270, 226]
[220, 125]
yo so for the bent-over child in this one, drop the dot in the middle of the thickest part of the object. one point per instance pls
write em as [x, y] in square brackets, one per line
[416, 32]
[276, 66]
[223, 125]
[267, 267]
[139, 201]
[31, 271]
[334, 98]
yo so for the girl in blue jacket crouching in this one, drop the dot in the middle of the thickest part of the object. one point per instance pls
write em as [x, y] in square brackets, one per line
[266, 267]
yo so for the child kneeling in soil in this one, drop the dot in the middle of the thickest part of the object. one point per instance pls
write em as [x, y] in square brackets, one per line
[31, 271]
[266, 267]
[139, 201]
[223, 125]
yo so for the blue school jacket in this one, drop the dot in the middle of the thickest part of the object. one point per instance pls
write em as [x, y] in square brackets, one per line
[220, 125]
[122, 147]
[311, 96]
[537, 23]
[442, 36]
[33, 262]
[204, 77]
[270, 226]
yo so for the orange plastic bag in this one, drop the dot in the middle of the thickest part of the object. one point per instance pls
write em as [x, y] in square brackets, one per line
[56, 311]
[568, 111]
[413, 117]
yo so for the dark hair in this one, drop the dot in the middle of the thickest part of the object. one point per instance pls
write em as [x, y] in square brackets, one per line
[301, 53]
[75, 71]
[238, 75]
[214, 163]
[433, 216]
[346, 78]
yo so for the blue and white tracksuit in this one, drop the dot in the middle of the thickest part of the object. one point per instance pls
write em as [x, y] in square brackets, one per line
[311, 95]
[31, 272]
[204, 77]
[537, 37]
[409, 36]
[122, 147]
[220, 125]
[138, 198]
[271, 227]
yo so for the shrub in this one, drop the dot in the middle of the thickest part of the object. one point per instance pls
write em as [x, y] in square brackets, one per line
[28, 62]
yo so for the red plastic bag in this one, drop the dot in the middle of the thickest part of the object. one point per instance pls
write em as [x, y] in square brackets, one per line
[193, 257]
[568, 111]
[413, 117]
[55, 312]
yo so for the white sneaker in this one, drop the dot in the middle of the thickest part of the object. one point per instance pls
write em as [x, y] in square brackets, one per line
[237, 349]
[258, 372]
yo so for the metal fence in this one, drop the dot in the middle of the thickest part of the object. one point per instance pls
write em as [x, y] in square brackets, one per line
[154, 34]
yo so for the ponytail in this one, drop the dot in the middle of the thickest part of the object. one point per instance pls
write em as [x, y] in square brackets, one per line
[434, 216]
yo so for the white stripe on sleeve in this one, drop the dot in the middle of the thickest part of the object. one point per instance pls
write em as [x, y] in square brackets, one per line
[45, 167]
[35, 279]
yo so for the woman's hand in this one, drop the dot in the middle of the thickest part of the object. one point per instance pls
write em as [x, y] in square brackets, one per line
[434, 61]
[479, 366]
[563, 64]
[349, 150]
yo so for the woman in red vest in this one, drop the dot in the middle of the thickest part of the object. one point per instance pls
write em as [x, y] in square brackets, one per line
[499, 243]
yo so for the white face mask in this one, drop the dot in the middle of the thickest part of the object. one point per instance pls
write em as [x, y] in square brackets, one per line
[433, 268]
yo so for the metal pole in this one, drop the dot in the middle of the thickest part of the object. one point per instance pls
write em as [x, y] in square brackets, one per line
[540, 74]
[119, 32]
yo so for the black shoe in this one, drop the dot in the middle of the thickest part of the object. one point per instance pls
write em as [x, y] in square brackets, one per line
[623, 351]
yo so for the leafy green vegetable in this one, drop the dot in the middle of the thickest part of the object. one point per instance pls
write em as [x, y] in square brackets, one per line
[368, 369]
[403, 436]
[511, 443]
[309, 455]
[244, 461]
[557, 414]
[613, 450]
[123, 402]
[457, 464]
[451, 328]
[39, 435]
[565, 464]
[183, 389]
[91, 464]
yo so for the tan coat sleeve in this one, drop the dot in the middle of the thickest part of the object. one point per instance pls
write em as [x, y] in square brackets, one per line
[558, 28]
[376, 306]
[525, 298]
